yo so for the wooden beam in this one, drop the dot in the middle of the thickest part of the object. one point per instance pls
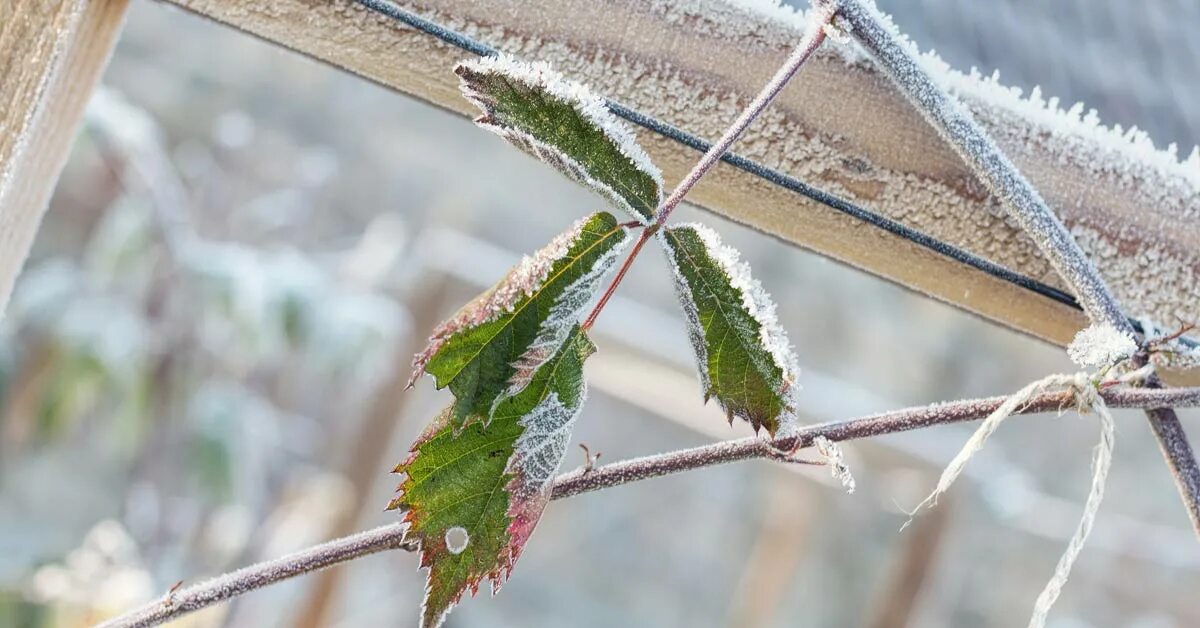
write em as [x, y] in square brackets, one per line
[694, 64]
[51, 55]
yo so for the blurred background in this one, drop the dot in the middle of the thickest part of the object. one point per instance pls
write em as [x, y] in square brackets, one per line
[203, 365]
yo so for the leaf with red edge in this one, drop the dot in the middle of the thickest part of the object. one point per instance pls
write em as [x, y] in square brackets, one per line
[473, 497]
[494, 345]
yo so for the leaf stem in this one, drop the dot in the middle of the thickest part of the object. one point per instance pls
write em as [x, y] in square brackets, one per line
[206, 593]
[814, 34]
[616, 281]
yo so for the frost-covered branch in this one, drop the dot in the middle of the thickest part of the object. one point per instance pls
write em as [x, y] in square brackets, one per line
[228, 586]
[185, 600]
[814, 35]
[617, 473]
[899, 59]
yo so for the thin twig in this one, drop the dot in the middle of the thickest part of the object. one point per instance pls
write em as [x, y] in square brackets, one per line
[181, 601]
[814, 35]
[617, 473]
[959, 128]
[185, 600]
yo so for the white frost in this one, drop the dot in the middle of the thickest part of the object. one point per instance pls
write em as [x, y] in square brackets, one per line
[1128, 154]
[1100, 346]
[589, 104]
[539, 450]
[566, 312]
[832, 453]
[755, 299]
[457, 539]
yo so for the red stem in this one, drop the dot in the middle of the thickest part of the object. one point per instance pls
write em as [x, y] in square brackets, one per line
[814, 35]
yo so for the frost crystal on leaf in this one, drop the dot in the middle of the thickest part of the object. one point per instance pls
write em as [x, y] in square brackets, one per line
[520, 283]
[541, 447]
[742, 353]
[1100, 346]
[473, 497]
[496, 343]
[565, 125]
[567, 311]
[457, 539]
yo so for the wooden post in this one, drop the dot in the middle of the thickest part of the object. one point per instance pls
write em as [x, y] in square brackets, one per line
[51, 55]
[848, 131]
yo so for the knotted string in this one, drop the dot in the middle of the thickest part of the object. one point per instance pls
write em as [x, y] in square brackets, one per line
[1085, 391]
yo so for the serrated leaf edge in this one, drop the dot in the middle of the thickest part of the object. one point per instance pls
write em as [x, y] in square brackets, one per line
[755, 301]
[524, 497]
[590, 105]
[527, 279]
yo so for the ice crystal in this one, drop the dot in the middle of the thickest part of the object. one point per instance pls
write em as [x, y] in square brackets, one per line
[834, 457]
[1100, 346]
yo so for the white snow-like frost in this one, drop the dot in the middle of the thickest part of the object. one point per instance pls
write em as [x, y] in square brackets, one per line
[832, 453]
[539, 449]
[521, 282]
[566, 312]
[1099, 346]
[457, 539]
[589, 104]
[755, 300]
[1109, 149]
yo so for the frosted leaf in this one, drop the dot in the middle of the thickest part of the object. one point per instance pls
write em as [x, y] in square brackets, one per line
[568, 310]
[743, 355]
[495, 344]
[565, 125]
[472, 497]
[1100, 346]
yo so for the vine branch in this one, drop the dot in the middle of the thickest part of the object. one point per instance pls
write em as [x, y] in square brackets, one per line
[814, 35]
[188, 599]
[1021, 200]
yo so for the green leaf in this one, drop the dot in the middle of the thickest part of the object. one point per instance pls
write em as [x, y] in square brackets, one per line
[565, 125]
[472, 499]
[743, 355]
[495, 343]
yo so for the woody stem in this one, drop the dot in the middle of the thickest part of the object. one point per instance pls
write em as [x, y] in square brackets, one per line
[814, 35]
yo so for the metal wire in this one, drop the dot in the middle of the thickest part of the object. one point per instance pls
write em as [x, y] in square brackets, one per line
[771, 175]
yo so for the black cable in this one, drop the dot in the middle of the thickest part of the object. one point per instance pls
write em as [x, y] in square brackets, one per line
[773, 176]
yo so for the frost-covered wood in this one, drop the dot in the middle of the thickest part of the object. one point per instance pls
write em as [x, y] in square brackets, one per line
[695, 63]
[51, 54]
